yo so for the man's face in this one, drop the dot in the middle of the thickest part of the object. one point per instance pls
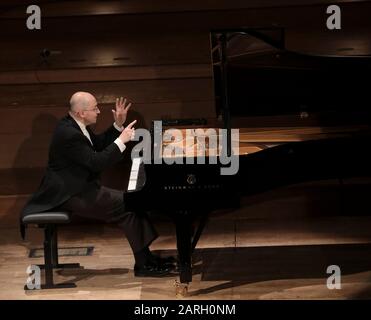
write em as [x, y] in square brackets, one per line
[91, 112]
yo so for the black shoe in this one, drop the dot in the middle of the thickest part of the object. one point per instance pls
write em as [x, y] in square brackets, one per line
[168, 262]
[151, 270]
[164, 260]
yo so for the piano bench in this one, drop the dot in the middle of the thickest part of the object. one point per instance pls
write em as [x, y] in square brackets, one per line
[49, 222]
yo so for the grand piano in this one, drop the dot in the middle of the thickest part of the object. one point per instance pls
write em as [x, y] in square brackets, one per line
[300, 117]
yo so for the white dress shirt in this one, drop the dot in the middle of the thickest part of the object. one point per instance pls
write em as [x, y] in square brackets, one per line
[118, 141]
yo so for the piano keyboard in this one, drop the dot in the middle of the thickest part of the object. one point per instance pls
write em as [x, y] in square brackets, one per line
[133, 180]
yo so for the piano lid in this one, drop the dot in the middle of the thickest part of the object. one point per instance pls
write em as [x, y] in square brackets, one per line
[257, 78]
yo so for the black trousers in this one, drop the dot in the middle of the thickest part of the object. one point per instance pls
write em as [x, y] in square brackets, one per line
[106, 204]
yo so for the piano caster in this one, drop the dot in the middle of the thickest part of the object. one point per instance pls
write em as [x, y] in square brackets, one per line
[181, 289]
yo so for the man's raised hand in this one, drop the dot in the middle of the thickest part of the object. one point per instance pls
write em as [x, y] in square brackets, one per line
[121, 111]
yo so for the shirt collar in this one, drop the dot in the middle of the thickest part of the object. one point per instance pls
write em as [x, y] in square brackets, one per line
[80, 124]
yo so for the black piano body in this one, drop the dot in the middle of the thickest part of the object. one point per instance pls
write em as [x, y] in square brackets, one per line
[338, 148]
[183, 192]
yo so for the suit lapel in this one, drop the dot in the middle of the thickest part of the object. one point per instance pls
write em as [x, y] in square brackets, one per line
[74, 124]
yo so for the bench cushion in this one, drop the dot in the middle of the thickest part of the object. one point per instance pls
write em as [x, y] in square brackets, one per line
[47, 217]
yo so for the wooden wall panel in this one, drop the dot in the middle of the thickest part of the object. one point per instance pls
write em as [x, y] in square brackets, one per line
[106, 92]
[28, 121]
[100, 74]
[26, 180]
[103, 49]
[20, 180]
[10, 207]
[20, 151]
[42, 119]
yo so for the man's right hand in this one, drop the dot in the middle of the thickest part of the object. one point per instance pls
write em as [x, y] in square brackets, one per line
[128, 133]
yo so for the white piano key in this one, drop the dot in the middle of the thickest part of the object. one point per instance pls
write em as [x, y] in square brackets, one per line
[133, 179]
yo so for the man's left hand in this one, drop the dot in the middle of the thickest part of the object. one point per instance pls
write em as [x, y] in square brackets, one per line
[121, 111]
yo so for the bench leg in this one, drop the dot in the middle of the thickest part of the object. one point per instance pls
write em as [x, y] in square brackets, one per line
[48, 255]
[56, 264]
[51, 260]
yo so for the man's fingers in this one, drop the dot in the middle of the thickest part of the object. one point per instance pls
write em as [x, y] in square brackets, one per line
[128, 107]
[121, 104]
[130, 125]
[118, 102]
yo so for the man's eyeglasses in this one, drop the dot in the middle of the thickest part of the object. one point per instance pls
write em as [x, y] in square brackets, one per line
[96, 109]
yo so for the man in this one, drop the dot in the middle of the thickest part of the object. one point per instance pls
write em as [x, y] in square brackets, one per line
[77, 156]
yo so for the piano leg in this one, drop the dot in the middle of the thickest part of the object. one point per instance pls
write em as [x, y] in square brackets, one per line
[200, 228]
[183, 227]
[186, 243]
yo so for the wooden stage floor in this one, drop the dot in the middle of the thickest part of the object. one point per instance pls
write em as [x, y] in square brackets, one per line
[236, 258]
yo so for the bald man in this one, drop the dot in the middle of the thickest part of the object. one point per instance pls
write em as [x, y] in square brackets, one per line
[77, 157]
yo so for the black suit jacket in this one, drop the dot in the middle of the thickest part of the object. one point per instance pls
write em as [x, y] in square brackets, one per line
[73, 164]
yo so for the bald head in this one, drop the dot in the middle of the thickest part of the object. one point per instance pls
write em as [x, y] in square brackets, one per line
[81, 100]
